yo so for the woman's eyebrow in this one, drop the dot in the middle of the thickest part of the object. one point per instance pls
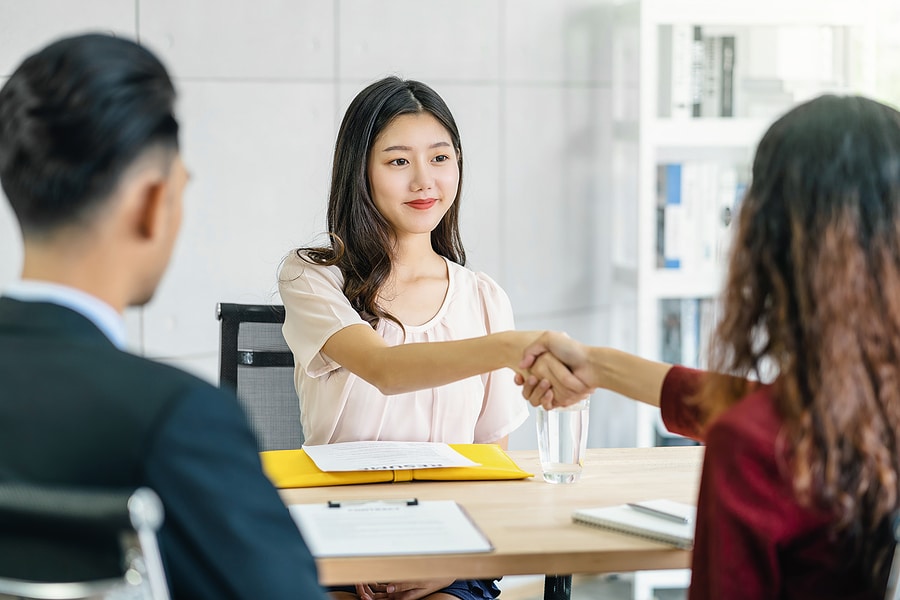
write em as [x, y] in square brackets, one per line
[408, 148]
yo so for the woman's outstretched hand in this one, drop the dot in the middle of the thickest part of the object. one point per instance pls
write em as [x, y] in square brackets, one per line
[558, 371]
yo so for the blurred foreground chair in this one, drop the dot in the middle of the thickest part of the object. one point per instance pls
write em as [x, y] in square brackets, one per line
[66, 542]
[256, 362]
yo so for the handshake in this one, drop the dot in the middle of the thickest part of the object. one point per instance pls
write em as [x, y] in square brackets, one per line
[556, 370]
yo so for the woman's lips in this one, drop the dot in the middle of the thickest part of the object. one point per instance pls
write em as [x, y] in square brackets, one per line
[422, 204]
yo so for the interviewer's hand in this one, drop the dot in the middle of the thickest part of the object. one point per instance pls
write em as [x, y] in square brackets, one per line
[550, 357]
[548, 382]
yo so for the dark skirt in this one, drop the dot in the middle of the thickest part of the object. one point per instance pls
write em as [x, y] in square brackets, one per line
[464, 589]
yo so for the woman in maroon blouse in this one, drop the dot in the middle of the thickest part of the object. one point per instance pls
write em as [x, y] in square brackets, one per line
[800, 478]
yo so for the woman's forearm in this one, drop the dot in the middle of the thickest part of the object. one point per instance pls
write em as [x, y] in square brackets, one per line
[415, 366]
[627, 374]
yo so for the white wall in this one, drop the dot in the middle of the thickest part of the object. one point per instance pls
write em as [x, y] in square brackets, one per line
[262, 87]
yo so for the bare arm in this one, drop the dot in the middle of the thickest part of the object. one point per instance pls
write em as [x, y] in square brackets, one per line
[614, 370]
[409, 367]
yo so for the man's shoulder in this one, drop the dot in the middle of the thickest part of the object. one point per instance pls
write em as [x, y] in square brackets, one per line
[161, 372]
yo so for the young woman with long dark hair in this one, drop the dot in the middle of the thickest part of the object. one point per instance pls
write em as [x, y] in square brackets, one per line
[393, 337]
[802, 467]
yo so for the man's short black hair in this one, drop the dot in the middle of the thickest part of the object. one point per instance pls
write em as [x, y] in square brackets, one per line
[73, 117]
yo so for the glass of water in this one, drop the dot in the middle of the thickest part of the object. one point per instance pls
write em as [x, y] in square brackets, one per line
[562, 439]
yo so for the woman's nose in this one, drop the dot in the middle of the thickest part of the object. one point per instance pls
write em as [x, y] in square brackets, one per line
[423, 179]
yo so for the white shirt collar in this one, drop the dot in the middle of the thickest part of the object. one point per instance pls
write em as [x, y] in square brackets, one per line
[98, 312]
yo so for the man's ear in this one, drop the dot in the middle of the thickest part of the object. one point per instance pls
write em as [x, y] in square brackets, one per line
[151, 207]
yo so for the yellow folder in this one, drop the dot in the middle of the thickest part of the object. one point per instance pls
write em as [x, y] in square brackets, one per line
[294, 469]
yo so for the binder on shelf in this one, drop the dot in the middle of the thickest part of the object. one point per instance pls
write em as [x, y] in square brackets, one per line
[626, 518]
[680, 331]
[686, 325]
[672, 216]
[697, 56]
[696, 74]
[695, 203]
[670, 331]
[727, 77]
[712, 77]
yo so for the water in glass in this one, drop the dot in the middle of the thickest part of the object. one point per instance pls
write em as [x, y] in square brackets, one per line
[562, 439]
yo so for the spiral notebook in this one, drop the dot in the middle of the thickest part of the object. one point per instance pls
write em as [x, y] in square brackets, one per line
[660, 520]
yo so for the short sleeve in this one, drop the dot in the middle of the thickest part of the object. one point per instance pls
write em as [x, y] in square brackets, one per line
[504, 410]
[315, 309]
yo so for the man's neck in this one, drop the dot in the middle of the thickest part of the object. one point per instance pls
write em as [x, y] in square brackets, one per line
[82, 268]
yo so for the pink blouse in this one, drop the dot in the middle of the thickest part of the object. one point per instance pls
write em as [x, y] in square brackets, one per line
[338, 406]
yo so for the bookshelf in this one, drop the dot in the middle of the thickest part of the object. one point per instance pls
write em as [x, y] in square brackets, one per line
[695, 85]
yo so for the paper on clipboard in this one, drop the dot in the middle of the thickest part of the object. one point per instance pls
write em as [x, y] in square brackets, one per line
[391, 527]
[385, 456]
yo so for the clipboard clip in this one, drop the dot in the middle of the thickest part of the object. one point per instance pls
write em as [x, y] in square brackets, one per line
[394, 501]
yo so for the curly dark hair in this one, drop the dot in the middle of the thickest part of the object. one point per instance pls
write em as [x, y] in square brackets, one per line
[813, 295]
[362, 240]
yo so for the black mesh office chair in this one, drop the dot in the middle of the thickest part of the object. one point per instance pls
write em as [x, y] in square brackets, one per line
[256, 362]
[65, 542]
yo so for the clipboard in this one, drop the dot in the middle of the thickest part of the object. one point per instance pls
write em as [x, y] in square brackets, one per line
[388, 528]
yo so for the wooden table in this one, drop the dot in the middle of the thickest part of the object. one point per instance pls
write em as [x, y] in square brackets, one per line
[529, 521]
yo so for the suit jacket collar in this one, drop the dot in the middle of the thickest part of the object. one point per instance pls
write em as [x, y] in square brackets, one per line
[47, 319]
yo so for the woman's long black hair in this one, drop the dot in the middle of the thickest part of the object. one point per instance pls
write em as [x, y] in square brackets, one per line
[361, 240]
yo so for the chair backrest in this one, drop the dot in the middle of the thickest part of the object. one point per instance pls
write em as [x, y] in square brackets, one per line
[893, 590]
[72, 542]
[256, 362]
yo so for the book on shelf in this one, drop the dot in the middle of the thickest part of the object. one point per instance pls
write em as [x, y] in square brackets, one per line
[697, 59]
[711, 99]
[660, 520]
[686, 325]
[695, 203]
[680, 59]
[726, 75]
[670, 219]
[696, 77]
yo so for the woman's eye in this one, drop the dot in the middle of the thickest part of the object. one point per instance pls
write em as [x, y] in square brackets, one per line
[399, 162]
[441, 158]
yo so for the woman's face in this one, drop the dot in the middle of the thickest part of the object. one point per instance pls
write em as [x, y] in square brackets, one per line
[413, 173]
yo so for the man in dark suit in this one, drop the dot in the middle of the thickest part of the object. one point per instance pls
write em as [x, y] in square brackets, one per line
[89, 162]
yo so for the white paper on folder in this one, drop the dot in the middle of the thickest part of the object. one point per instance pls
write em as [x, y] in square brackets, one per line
[380, 528]
[385, 456]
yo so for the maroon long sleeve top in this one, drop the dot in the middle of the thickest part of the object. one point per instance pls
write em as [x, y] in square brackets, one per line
[753, 538]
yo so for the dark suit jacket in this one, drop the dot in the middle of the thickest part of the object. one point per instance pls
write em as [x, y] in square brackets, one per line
[76, 410]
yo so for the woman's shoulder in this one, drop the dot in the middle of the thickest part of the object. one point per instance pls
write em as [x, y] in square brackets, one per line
[475, 280]
[298, 266]
[754, 419]
[477, 291]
